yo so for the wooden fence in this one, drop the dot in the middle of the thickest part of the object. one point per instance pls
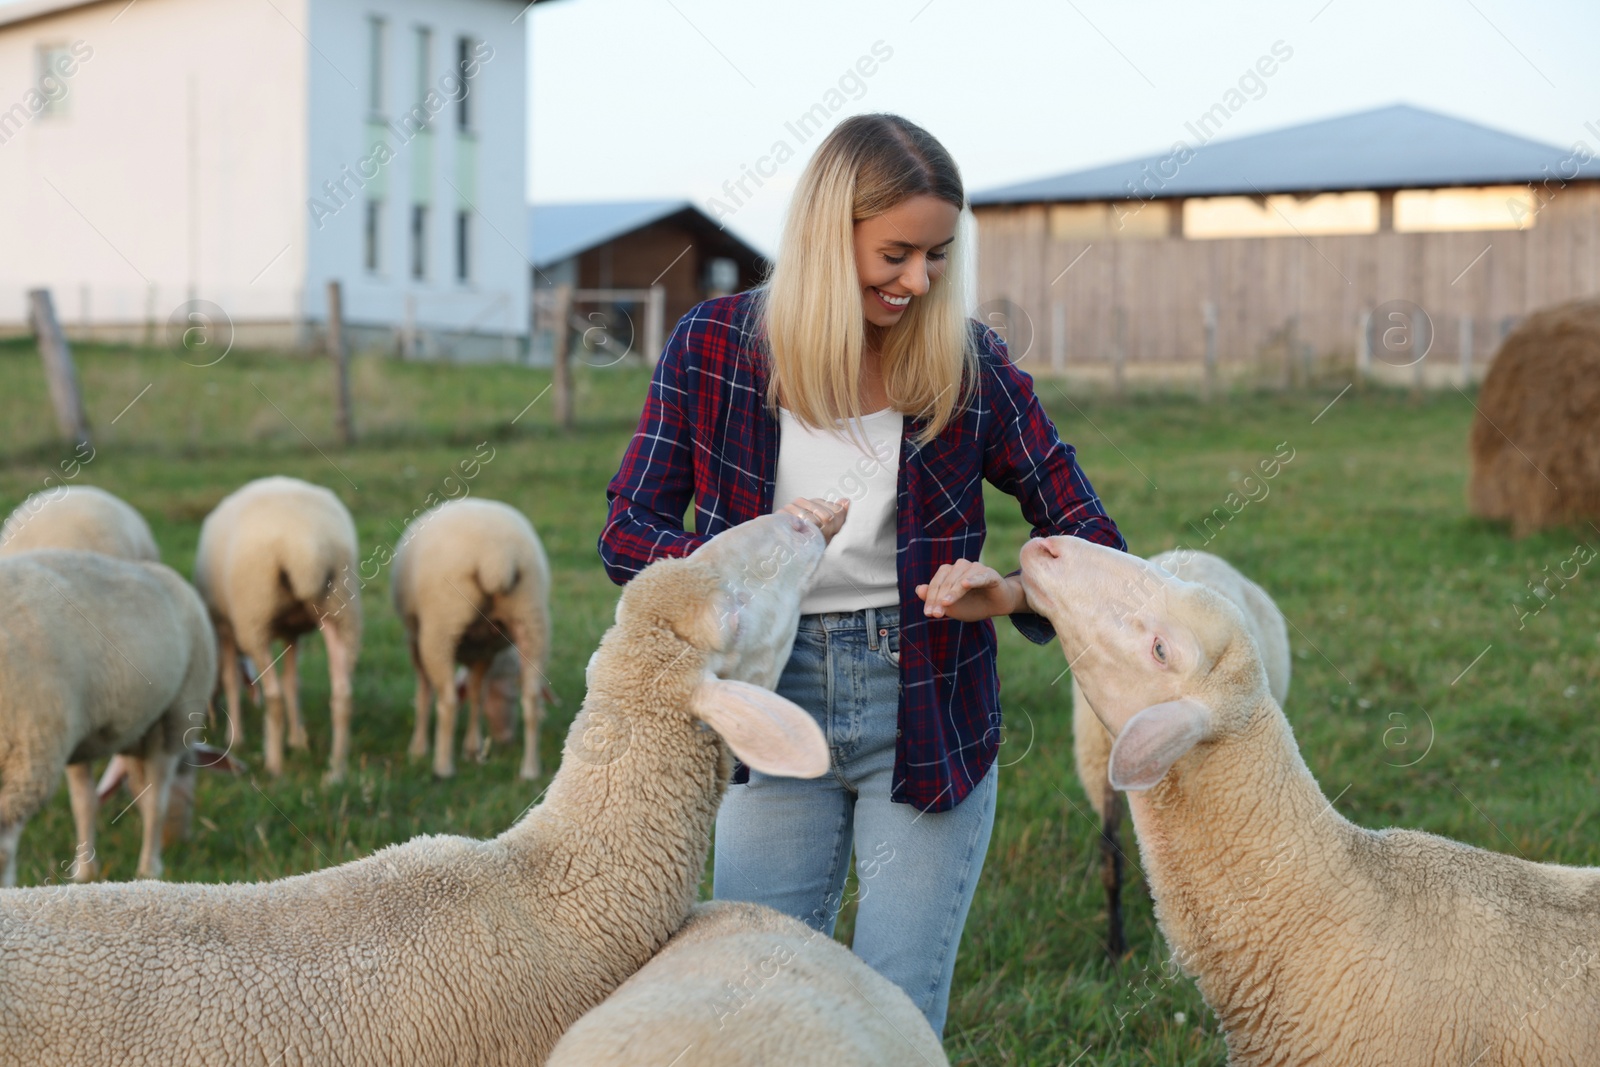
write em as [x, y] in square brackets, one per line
[1275, 308]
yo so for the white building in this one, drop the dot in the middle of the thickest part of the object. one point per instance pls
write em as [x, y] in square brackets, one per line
[163, 159]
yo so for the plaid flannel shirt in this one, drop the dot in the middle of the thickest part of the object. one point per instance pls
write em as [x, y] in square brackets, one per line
[706, 435]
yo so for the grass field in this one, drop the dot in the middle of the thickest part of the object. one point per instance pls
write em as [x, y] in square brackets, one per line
[1433, 687]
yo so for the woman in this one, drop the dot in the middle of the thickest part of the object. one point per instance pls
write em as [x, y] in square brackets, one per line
[853, 383]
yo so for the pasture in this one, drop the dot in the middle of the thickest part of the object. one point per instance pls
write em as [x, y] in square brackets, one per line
[1444, 676]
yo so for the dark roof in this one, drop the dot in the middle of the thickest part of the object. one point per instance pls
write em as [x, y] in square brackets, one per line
[1396, 147]
[561, 231]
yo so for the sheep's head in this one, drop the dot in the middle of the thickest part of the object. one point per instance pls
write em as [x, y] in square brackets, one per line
[736, 601]
[1166, 664]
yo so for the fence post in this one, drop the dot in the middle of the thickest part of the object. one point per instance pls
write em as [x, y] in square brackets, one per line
[655, 324]
[1464, 342]
[1208, 312]
[1290, 335]
[1418, 344]
[341, 363]
[1364, 347]
[58, 368]
[1119, 353]
[1058, 336]
[561, 357]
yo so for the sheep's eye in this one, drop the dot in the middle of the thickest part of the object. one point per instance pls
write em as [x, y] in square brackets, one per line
[1159, 650]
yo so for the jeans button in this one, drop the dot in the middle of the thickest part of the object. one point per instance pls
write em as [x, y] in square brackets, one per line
[897, 734]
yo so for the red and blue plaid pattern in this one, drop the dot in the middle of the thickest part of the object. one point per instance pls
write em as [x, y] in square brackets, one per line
[706, 436]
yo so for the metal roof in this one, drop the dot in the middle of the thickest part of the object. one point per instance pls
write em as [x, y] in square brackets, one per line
[561, 231]
[1395, 147]
[27, 10]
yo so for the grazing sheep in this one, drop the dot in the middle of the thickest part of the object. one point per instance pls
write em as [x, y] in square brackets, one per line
[78, 516]
[276, 560]
[1314, 940]
[1534, 450]
[180, 794]
[446, 950]
[99, 656]
[471, 578]
[1091, 741]
[742, 985]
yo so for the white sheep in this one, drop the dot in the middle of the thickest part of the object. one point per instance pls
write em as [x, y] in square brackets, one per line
[276, 560]
[99, 656]
[446, 950]
[742, 985]
[1314, 940]
[1091, 741]
[470, 578]
[78, 516]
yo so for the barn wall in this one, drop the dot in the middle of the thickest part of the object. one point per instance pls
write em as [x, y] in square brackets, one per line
[1279, 301]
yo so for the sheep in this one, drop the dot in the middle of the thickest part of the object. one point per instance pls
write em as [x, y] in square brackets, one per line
[100, 656]
[78, 516]
[180, 793]
[1314, 940]
[470, 578]
[446, 950]
[1091, 743]
[276, 560]
[741, 985]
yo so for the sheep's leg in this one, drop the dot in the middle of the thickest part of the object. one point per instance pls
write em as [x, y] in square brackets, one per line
[341, 665]
[230, 669]
[291, 694]
[1111, 872]
[272, 693]
[476, 746]
[80, 787]
[438, 659]
[530, 650]
[151, 776]
[10, 837]
[424, 701]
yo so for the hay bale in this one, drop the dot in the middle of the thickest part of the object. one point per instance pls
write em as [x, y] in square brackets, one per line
[1536, 440]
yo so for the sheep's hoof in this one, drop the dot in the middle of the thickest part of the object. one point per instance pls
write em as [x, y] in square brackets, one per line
[529, 772]
[333, 776]
[418, 748]
[442, 773]
[297, 739]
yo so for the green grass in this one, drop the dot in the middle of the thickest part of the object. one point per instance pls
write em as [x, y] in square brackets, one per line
[1391, 589]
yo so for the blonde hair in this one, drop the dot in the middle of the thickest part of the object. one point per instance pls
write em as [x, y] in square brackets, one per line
[810, 305]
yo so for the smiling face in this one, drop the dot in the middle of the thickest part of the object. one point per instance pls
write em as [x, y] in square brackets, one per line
[899, 255]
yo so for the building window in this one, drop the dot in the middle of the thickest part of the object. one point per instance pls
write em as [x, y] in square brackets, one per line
[464, 72]
[56, 65]
[419, 240]
[424, 71]
[375, 65]
[463, 246]
[1280, 215]
[1494, 207]
[371, 232]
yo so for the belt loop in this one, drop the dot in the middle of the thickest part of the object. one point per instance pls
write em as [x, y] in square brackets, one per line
[872, 629]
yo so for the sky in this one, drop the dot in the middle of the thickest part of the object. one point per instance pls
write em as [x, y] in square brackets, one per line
[647, 99]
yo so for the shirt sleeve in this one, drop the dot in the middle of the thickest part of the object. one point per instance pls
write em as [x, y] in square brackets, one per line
[1024, 456]
[655, 483]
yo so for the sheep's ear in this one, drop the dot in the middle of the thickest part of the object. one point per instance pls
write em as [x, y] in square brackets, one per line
[711, 626]
[771, 734]
[1155, 739]
[116, 772]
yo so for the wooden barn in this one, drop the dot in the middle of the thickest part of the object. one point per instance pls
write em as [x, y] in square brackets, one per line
[621, 274]
[1400, 242]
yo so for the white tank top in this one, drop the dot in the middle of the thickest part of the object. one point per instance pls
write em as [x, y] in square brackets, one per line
[858, 568]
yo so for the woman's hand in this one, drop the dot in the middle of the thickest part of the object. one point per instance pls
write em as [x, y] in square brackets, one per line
[970, 591]
[828, 517]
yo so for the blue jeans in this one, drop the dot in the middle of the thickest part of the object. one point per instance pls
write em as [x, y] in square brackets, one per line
[785, 842]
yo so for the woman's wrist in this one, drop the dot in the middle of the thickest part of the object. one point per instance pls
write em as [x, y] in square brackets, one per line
[1016, 597]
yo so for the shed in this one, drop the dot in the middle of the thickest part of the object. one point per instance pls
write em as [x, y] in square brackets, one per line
[1275, 254]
